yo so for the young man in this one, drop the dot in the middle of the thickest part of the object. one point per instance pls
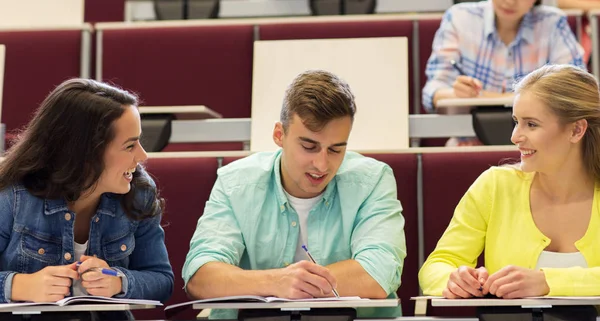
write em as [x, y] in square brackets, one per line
[263, 208]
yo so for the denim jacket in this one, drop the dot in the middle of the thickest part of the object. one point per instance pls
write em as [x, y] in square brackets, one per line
[37, 232]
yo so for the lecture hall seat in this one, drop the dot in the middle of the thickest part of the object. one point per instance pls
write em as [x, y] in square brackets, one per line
[446, 178]
[185, 184]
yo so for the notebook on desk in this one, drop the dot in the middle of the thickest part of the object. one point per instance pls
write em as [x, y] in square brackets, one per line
[85, 299]
[254, 298]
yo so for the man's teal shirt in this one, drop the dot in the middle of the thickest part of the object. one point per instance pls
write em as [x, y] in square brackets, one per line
[248, 222]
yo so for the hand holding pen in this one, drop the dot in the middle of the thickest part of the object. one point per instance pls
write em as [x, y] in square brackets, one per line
[315, 262]
[301, 280]
[465, 86]
[98, 278]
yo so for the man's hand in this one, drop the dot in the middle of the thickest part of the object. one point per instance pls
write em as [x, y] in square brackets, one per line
[303, 280]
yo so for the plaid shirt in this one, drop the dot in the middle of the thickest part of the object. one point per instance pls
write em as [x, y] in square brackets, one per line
[468, 35]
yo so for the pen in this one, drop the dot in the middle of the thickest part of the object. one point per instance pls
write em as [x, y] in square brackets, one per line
[455, 66]
[104, 271]
[315, 262]
[462, 73]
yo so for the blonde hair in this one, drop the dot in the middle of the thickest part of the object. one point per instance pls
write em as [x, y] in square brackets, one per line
[572, 94]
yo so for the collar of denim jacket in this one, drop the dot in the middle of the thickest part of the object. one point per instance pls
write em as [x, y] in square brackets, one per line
[107, 206]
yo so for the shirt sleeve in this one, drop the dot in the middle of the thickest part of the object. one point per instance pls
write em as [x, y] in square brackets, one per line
[218, 236]
[439, 71]
[564, 48]
[574, 281]
[148, 276]
[464, 239]
[378, 242]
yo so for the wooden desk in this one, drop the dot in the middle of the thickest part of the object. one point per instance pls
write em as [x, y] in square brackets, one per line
[181, 112]
[38, 309]
[472, 102]
[527, 303]
[299, 305]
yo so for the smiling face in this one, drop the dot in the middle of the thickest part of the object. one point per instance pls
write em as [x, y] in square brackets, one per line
[310, 159]
[122, 154]
[546, 144]
[511, 11]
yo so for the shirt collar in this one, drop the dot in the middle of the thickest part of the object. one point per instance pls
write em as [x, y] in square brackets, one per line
[107, 206]
[525, 28]
[327, 195]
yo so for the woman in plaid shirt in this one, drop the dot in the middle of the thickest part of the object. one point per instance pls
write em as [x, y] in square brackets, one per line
[495, 42]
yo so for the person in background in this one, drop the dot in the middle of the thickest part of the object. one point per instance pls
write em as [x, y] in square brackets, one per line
[493, 43]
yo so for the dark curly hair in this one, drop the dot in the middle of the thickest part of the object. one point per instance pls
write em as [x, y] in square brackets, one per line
[60, 152]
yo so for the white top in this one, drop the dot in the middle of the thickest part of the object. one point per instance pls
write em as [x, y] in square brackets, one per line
[79, 250]
[560, 260]
[302, 206]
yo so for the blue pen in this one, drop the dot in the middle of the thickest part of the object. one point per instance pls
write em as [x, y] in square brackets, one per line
[315, 262]
[104, 271]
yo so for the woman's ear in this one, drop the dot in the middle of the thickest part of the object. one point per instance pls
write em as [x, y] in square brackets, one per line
[578, 130]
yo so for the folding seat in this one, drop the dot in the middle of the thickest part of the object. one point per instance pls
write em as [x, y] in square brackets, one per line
[185, 184]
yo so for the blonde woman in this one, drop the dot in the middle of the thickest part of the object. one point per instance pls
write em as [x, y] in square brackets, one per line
[538, 221]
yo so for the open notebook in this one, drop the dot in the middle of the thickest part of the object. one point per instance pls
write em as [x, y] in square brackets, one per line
[270, 299]
[84, 299]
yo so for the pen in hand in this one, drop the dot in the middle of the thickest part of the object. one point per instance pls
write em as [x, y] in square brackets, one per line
[473, 82]
[315, 262]
[105, 271]
[457, 68]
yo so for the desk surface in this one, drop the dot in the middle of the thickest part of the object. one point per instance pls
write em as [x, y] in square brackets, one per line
[531, 302]
[35, 309]
[298, 305]
[470, 102]
[204, 111]
[425, 319]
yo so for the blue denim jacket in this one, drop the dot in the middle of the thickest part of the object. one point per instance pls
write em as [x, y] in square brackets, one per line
[37, 232]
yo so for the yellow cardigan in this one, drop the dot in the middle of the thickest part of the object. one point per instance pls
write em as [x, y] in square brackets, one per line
[495, 215]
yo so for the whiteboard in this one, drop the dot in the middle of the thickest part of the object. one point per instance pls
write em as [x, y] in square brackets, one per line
[32, 13]
[375, 68]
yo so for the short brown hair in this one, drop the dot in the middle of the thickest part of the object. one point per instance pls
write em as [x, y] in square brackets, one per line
[317, 97]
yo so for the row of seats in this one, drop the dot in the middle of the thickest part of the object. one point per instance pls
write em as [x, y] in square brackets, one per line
[185, 63]
[440, 178]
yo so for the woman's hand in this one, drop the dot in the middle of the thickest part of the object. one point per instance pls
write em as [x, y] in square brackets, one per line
[512, 282]
[465, 282]
[467, 87]
[95, 282]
